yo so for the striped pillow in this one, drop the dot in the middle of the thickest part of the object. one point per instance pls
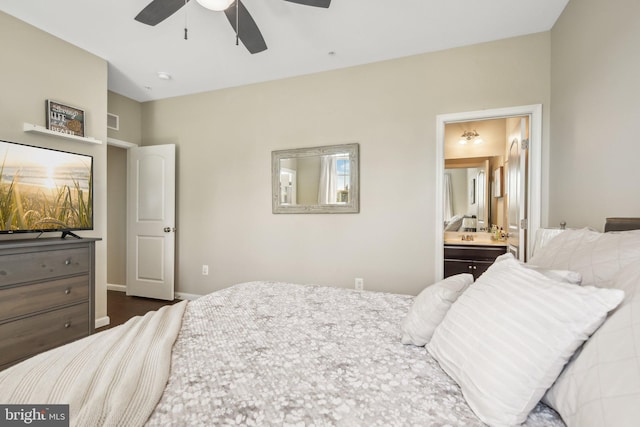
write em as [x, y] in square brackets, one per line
[430, 307]
[506, 339]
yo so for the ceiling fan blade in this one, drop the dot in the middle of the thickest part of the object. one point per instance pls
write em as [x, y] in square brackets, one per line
[159, 10]
[249, 33]
[316, 3]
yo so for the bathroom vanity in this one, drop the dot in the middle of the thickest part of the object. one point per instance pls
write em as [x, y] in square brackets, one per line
[470, 253]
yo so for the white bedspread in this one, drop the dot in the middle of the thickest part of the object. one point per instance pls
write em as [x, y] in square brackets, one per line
[113, 378]
[278, 354]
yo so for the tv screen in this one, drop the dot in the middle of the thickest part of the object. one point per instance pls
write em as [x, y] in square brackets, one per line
[42, 189]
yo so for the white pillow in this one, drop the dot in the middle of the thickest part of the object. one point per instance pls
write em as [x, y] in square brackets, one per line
[454, 223]
[544, 236]
[506, 339]
[430, 307]
[597, 256]
[562, 275]
[601, 384]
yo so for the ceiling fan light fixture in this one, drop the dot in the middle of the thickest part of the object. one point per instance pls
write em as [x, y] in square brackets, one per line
[217, 5]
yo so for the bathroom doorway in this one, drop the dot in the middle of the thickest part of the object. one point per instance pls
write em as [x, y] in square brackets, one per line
[509, 193]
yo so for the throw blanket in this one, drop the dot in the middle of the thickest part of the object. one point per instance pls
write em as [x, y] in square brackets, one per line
[112, 378]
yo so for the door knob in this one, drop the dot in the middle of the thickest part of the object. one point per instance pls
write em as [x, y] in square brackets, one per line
[169, 229]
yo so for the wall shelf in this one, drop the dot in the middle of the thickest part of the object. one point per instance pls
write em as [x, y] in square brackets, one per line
[28, 127]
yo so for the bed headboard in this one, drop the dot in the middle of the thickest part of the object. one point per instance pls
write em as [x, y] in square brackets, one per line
[621, 224]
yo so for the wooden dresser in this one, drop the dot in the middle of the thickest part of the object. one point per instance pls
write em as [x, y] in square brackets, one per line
[46, 295]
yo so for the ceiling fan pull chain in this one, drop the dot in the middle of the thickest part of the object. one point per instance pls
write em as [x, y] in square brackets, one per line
[185, 20]
[237, 22]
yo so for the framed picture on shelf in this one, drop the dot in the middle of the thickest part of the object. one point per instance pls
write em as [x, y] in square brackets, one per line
[498, 184]
[64, 118]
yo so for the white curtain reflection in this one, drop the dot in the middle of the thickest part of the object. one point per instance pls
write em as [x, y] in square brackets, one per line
[328, 190]
[448, 197]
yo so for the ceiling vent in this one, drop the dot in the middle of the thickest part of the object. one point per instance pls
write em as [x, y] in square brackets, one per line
[113, 121]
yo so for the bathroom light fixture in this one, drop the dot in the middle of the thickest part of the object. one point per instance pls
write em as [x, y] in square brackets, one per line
[217, 5]
[468, 135]
[162, 75]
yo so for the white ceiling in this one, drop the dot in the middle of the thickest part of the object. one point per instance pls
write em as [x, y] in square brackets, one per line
[299, 38]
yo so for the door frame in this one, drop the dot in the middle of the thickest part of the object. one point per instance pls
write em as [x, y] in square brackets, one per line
[534, 174]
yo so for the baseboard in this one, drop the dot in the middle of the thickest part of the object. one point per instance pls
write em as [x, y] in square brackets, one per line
[119, 288]
[177, 295]
[102, 321]
[184, 295]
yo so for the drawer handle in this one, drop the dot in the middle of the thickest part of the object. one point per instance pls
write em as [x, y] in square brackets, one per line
[67, 261]
[67, 324]
[67, 291]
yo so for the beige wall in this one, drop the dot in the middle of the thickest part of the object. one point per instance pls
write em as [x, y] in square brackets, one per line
[594, 156]
[225, 138]
[117, 215]
[130, 113]
[35, 67]
[130, 130]
[308, 176]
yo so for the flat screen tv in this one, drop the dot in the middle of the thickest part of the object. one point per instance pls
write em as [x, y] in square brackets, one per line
[42, 189]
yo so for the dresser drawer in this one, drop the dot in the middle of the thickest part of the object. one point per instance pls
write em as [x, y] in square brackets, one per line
[35, 334]
[18, 268]
[24, 300]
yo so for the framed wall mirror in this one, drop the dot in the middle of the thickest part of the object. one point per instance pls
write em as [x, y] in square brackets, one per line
[316, 180]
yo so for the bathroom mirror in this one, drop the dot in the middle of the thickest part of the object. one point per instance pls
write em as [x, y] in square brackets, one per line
[466, 194]
[316, 180]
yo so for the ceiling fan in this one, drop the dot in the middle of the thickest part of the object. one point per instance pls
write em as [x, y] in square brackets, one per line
[243, 24]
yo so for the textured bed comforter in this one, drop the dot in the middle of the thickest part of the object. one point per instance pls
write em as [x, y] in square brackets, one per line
[266, 353]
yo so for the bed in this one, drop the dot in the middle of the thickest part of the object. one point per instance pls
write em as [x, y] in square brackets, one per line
[272, 353]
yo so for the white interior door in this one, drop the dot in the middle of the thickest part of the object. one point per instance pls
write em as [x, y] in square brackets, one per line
[151, 221]
[516, 193]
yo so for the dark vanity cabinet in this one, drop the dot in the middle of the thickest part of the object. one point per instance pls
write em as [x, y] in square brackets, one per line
[474, 259]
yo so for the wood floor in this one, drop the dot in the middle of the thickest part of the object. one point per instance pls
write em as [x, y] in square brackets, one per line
[121, 307]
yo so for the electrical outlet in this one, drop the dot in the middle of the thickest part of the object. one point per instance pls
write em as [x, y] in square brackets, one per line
[205, 270]
[359, 283]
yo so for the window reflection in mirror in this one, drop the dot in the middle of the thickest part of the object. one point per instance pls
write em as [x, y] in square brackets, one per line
[316, 180]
